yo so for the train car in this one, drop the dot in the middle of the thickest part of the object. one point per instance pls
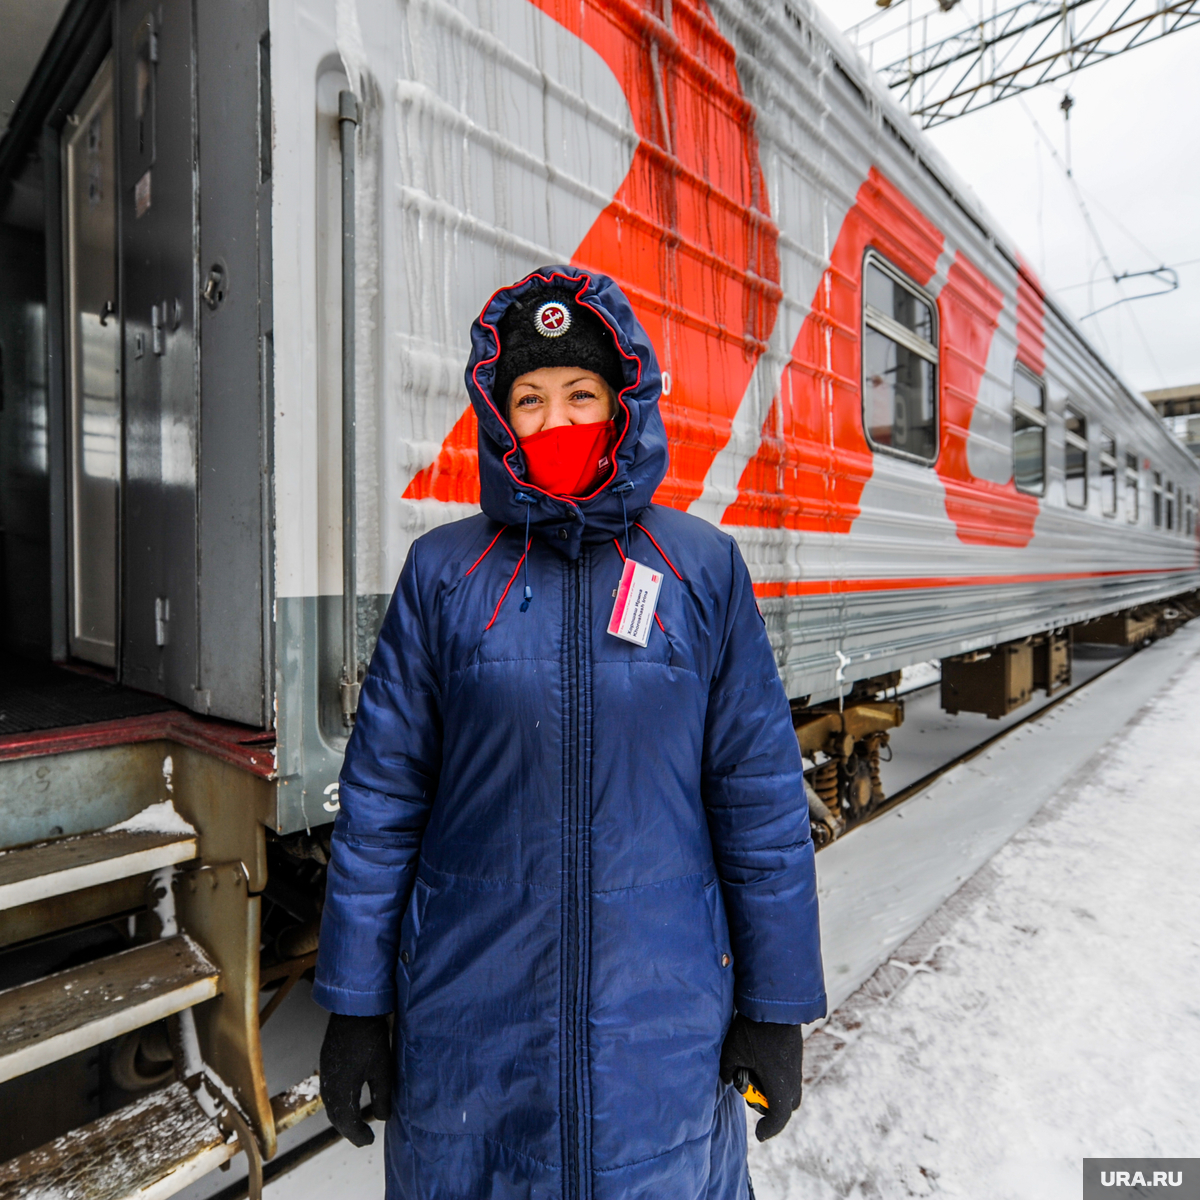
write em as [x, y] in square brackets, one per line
[242, 248]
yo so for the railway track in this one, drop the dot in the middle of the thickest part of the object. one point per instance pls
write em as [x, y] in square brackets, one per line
[919, 785]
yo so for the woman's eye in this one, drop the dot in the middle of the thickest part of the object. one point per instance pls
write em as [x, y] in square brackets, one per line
[526, 401]
[583, 397]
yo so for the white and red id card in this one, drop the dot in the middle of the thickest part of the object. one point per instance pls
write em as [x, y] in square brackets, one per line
[637, 598]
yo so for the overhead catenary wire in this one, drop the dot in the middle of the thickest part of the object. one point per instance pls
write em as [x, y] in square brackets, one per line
[1175, 266]
[1105, 258]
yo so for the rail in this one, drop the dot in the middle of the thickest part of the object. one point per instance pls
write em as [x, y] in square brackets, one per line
[919, 785]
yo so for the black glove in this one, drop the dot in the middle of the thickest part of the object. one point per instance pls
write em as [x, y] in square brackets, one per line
[774, 1056]
[356, 1050]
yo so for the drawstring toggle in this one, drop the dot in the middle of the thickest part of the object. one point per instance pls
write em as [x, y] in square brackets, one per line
[529, 501]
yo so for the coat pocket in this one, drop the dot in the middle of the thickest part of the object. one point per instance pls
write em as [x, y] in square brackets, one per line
[720, 926]
[722, 948]
[410, 936]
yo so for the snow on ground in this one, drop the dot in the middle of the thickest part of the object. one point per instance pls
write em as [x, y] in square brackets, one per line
[919, 675]
[343, 1172]
[1050, 1010]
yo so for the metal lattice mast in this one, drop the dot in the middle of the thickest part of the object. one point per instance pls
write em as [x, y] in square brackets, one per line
[1009, 50]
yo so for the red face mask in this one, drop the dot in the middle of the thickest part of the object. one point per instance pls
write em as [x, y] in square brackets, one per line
[570, 460]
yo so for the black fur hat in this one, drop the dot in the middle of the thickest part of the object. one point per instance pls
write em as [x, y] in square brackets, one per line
[546, 328]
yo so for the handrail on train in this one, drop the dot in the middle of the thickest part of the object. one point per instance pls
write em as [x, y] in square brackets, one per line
[348, 113]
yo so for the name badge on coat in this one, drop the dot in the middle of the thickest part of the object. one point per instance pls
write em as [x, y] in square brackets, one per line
[637, 598]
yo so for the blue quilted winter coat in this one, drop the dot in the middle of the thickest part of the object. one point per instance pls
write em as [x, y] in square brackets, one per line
[563, 860]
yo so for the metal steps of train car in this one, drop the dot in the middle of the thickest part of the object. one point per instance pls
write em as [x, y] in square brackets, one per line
[148, 1150]
[57, 1015]
[73, 863]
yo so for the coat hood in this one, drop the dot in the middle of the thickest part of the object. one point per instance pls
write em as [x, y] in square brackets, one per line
[641, 456]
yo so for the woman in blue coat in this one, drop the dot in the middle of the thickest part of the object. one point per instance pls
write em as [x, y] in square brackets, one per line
[573, 853]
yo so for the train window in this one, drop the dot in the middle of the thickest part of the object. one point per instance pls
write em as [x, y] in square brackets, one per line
[1158, 500]
[1170, 506]
[1108, 474]
[899, 364]
[1131, 488]
[1189, 510]
[1029, 432]
[1076, 457]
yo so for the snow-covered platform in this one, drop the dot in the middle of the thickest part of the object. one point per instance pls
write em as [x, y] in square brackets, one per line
[1047, 1010]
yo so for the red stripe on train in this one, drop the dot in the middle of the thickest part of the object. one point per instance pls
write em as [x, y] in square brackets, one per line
[814, 461]
[688, 235]
[821, 587]
[984, 513]
[1031, 320]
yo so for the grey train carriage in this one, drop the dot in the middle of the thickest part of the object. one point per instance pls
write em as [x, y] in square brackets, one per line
[241, 246]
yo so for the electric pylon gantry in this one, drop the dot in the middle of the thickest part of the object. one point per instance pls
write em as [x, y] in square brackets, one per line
[1007, 51]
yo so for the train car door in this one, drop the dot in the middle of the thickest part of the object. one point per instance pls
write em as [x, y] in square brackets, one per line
[93, 377]
[157, 221]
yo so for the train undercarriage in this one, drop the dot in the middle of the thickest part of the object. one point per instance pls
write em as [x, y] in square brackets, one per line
[844, 742]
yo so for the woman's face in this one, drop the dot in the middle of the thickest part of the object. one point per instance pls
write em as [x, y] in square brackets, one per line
[554, 396]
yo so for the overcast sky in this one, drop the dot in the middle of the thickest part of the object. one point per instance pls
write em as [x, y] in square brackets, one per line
[1135, 152]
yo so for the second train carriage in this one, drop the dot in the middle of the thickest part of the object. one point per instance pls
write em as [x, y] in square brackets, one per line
[919, 453]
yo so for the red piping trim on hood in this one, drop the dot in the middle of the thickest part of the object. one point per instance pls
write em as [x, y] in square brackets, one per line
[585, 280]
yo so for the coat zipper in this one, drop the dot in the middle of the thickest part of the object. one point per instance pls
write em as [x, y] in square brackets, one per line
[577, 878]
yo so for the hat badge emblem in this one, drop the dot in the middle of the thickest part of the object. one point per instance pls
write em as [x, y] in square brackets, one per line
[552, 319]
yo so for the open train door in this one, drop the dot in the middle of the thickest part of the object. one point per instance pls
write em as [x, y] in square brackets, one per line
[157, 374]
[136, 551]
[129, 380]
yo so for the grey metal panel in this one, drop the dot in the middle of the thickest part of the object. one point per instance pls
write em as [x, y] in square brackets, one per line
[77, 792]
[232, 446]
[159, 271]
[308, 765]
[886, 630]
[266, 320]
[311, 736]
